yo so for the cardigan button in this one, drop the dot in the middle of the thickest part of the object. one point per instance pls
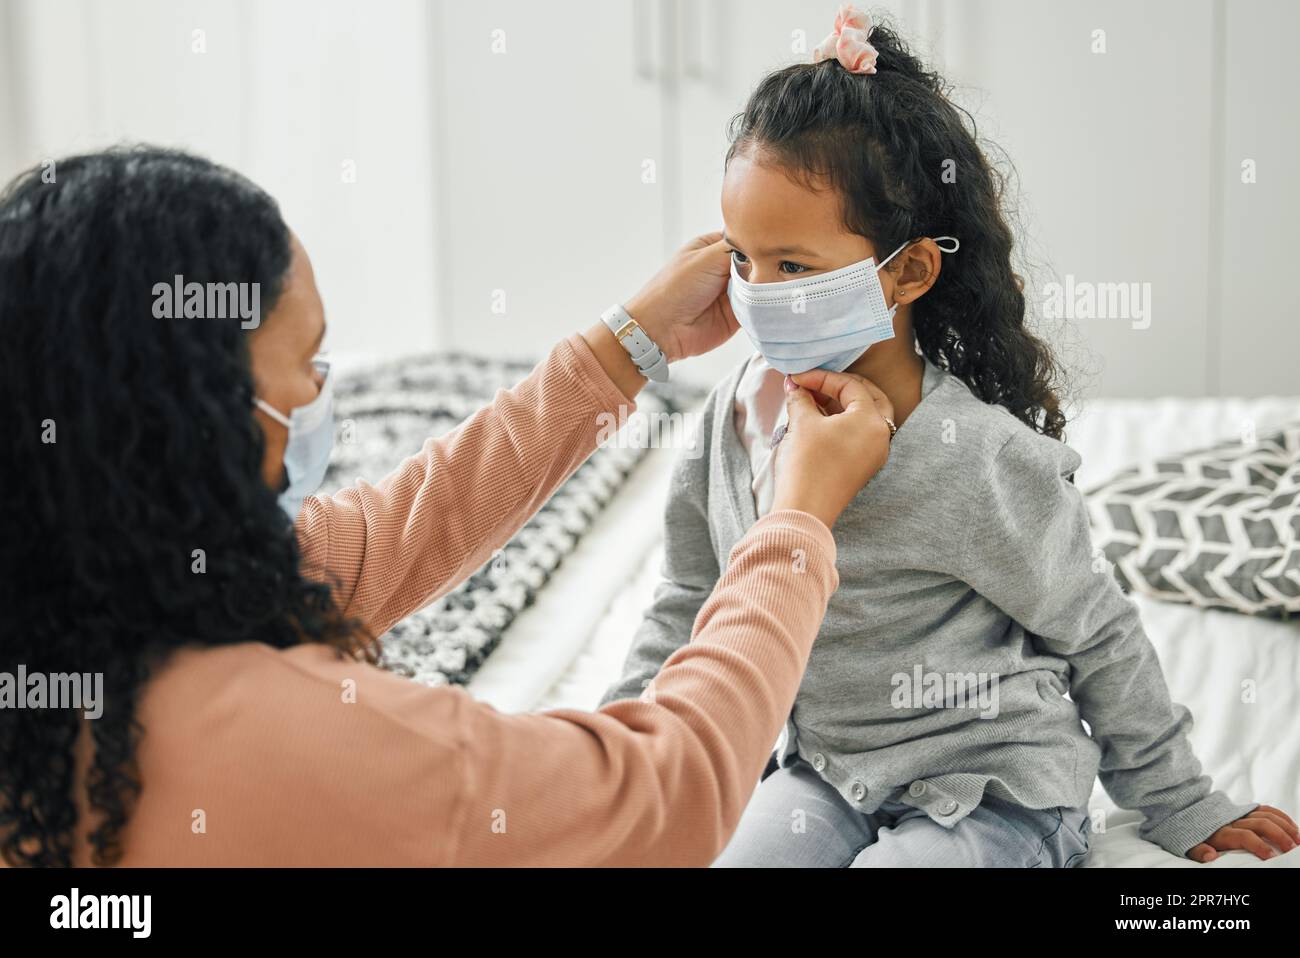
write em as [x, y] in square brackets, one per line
[819, 762]
[948, 807]
[858, 791]
[917, 789]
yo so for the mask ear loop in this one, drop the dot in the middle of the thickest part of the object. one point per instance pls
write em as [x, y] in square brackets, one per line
[271, 411]
[322, 367]
[881, 264]
[938, 241]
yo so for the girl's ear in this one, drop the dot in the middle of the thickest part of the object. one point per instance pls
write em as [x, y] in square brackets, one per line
[917, 271]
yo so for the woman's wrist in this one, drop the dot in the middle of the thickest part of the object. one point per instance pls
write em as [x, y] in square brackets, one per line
[824, 511]
[614, 359]
[650, 319]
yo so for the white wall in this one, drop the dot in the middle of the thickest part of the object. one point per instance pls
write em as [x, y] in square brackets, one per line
[286, 91]
[1254, 293]
[1131, 166]
[522, 164]
[1128, 162]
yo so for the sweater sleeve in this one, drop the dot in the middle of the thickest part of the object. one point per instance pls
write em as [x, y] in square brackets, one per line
[390, 548]
[663, 779]
[689, 572]
[1029, 551]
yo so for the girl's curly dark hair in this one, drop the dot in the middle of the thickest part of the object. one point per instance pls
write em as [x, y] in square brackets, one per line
[885, 141]
[131, 444]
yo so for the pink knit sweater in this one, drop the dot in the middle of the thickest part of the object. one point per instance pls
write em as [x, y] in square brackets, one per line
[258, 756]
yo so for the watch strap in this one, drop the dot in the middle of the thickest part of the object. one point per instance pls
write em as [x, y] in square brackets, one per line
[645, 353]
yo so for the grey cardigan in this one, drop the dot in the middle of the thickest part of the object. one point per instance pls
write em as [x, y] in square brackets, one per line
[970, 606]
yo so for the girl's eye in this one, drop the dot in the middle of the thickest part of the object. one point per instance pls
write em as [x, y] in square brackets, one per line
[794, 268]
[739, 257]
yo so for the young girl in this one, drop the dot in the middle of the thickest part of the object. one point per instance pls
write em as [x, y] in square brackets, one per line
[933, 725]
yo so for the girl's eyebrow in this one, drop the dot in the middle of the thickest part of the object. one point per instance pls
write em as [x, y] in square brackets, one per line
[778, 251]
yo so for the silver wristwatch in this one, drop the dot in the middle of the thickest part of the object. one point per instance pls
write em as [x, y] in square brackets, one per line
[647, 356]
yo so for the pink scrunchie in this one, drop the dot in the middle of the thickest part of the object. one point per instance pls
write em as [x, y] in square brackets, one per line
[848, 41]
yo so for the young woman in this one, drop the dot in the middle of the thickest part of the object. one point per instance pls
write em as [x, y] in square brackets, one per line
[241, 721]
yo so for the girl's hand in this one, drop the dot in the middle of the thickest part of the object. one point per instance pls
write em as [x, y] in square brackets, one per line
[684, 307]
[1250, 832]
[826, 457]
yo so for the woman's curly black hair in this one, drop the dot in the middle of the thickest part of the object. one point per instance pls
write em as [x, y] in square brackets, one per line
[885, 141]
[131, 444]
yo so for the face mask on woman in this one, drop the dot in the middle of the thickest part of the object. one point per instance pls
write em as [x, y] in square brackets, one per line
[311, 436]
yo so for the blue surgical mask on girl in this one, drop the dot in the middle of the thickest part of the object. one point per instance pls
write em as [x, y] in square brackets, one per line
[311, 437]
[825, 321]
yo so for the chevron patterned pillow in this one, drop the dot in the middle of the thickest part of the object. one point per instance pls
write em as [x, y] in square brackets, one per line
[1217, 527]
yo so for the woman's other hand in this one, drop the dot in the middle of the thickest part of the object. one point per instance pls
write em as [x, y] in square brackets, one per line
[684, 307]
[826, 456]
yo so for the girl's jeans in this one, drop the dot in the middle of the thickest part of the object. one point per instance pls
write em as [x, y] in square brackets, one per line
[796, 819]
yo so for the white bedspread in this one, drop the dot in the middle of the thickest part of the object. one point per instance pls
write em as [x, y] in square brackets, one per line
[1239, 675]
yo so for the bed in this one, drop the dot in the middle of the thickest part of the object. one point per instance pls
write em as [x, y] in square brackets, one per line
[566, 644]
[565, 650]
